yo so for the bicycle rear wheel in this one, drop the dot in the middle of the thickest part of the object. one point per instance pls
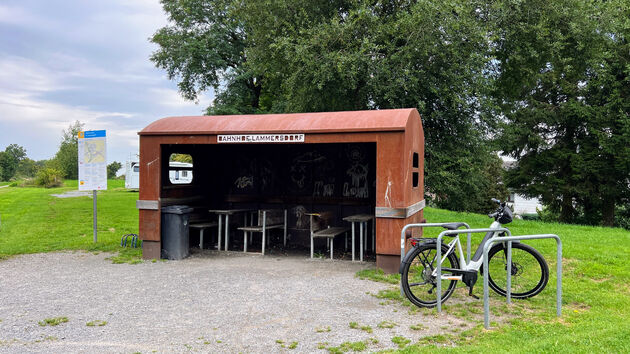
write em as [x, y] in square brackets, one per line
[417, 278]
[530, 272]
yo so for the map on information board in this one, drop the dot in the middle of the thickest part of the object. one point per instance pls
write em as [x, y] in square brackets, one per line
[92, 160]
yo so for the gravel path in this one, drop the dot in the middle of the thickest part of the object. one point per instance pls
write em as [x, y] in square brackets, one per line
[210, 302]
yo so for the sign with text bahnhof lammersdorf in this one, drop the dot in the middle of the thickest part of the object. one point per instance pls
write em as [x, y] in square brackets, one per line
[261, 138]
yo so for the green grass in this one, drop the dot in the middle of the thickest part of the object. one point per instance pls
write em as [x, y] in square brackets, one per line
[96, 323]
[401, 341]
[53, 321]
[347, 347]
[387, 324]
[596, 295]
[34, 221]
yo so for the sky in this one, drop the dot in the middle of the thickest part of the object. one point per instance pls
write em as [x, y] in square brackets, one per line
[68, 60]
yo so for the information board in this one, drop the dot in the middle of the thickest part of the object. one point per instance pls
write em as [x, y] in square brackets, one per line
[92, 160]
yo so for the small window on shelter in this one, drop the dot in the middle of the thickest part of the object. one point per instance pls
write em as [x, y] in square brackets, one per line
[180, 169]
[415, 177]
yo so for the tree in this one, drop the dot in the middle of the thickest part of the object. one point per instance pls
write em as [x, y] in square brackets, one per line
[7, 166]
[296, 56]
[563, 90]
[27, 168]
[112, 168]
[608, 95]
[204, 47]
[10, 160]
[66, 159]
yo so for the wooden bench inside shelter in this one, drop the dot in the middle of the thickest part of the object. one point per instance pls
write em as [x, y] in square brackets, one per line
[321, 229]
[267, 219]
[200, 220]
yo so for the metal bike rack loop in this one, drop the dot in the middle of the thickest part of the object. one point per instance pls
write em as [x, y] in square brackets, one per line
[509, 239]
[439, 253]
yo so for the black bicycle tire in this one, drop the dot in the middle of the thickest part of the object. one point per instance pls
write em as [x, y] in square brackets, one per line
[405, 274]
[542, 283]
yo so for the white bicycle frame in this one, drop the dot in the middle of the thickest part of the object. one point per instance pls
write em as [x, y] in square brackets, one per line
[465, 265]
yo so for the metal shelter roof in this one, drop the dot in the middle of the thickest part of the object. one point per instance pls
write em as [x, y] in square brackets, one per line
[323, 122]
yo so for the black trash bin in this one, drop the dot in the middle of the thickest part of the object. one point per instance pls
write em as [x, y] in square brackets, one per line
[175, 231]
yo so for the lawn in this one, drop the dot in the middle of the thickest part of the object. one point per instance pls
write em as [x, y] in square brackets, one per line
[596, 288]
[32, 220]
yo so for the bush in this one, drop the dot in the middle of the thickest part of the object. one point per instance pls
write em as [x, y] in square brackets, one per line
[547, 215]
[49, 177]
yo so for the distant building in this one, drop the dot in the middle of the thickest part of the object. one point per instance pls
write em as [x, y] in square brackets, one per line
[132, 172]
[521, 204]
[179, 173]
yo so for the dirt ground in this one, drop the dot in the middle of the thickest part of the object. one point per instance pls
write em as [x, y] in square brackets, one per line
[210, 302]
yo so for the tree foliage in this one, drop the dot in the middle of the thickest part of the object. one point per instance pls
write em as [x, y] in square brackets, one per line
[112, 168]
[563, 90]
[10, 160]
[297, 56]
[66, 159]
[548, 80]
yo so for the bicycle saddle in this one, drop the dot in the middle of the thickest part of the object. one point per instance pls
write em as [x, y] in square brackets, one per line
[453, 225]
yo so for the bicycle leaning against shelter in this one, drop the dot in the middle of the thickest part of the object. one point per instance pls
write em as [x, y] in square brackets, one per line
[419, 273]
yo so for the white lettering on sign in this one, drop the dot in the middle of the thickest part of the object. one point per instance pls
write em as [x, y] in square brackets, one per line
[261, 138]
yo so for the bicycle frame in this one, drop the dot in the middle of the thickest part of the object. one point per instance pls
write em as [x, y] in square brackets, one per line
[495, 233]
[471, 264]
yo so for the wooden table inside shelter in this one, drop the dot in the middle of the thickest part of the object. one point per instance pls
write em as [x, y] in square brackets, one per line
[362, 219]
[225, 213]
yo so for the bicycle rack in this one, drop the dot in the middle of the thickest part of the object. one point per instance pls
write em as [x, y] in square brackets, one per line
[133, 242]
[509, 239]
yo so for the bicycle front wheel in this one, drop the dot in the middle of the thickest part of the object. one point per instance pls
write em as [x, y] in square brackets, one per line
[529, 270]
[418, 281]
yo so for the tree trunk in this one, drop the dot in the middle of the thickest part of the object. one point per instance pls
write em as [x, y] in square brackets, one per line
[566, 210]
[608, 211]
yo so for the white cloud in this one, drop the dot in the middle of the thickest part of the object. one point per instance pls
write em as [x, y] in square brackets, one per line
[172, 99]
[86, 61]
[18, 74]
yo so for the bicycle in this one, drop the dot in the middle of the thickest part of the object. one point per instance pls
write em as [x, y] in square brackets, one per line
[530, 272]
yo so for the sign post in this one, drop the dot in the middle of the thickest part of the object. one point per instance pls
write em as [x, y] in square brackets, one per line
[93, 165]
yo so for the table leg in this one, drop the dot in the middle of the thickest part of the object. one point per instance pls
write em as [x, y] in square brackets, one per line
[227, 230]
[361, 241]
[245, 241]
[331, 247]
[219, 235]
[285, 228]
[201, 239]
[353, 241]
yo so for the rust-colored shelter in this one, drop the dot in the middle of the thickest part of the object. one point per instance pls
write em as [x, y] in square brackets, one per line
[344, 162]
